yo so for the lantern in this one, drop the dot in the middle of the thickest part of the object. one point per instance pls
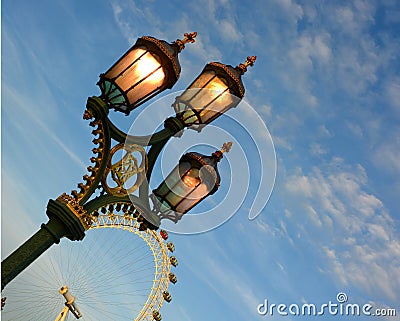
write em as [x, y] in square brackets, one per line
[192, 180]
[145, 70]
[217, 89]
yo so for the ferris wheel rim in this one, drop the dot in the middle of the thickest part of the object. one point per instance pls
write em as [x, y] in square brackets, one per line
[159, 251]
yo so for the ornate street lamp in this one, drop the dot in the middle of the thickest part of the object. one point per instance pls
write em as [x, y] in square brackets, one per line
[191, 181]
[144, 71]
[217, 89]
[147, 69]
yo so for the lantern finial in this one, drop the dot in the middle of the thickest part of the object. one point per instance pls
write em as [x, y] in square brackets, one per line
[187, 37]
[242, 68]
[226, 147]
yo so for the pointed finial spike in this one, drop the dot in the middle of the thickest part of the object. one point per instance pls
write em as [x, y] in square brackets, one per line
[249, 62]
[226, 147]
[187, 37]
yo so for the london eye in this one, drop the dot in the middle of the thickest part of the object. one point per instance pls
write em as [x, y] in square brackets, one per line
[118, 272]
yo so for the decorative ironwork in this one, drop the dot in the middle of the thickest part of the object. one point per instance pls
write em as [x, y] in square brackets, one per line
[226, 147]
[125, 168]
[85, 218]
[100, 153]
[188, 37]
[249, 62]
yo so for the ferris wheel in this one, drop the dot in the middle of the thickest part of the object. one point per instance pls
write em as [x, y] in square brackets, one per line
[118, 272]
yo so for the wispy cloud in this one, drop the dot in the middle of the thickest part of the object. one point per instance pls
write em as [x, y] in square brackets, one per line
[359, 232]
[387, 154]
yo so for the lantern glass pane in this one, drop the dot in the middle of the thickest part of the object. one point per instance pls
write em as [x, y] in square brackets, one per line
[173, 178]
[142, 90]
[208, 176]
[146, 66]
[138, 74]
[193, 198]
[183, 188]
[125, 62]
[220, 100]
[172, 199]
[202, 105]
[186, 186]
[184, 105]
[142, 78]
[210, 96]
[195, 88]
[198, 186]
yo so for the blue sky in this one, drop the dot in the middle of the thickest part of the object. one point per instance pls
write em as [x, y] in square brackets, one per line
[327, 85]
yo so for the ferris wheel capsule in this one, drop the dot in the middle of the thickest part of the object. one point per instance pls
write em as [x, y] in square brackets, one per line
[157, 316]
[167, 296]
[164, 234]
[171, 246]
[174, 261]
[172, 278]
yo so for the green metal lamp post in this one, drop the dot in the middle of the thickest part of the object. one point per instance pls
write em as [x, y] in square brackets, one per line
[145, 70]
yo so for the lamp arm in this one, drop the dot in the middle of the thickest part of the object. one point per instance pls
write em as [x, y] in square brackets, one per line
[172, 126]
[146, 140]
[153, 154]
[104, 200]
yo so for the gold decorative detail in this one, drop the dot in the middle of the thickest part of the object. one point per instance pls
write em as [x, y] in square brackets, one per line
[226, 147]
[85, 218]
[232, 75]
[87, 115]
[188, 37]
[127, 167]
[98, 132]
[249, 62]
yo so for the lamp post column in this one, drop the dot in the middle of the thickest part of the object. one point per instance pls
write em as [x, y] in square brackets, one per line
[65, 220]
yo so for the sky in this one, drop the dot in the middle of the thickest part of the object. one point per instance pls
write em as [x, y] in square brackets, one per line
[326, 84]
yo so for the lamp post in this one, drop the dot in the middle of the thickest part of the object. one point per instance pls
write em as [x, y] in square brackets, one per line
[145, 70]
